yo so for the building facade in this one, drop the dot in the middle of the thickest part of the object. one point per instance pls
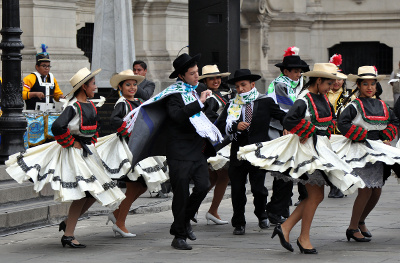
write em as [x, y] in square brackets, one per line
[364, 31]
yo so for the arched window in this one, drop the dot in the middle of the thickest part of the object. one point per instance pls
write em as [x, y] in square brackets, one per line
[356, 54]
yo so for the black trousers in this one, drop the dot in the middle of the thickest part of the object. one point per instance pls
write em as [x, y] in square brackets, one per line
[281, 197]
[184, 204]
[238, 176]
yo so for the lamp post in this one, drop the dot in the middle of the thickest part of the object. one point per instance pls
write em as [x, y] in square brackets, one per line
[12, 122]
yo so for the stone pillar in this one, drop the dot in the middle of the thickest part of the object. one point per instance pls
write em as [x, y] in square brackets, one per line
[161, 30]
[113, 45]
[52, 23]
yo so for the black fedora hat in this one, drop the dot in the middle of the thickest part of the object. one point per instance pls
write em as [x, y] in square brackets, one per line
[181, 62]
[243, 74]
[293, 62]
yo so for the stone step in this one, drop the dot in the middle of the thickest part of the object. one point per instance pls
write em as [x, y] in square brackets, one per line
[3, 174]
[30, 214]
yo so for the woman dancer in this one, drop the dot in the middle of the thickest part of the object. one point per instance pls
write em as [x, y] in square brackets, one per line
[117, 157]
[71, 164]
[306, 155]
[218, 173]
[368, 125]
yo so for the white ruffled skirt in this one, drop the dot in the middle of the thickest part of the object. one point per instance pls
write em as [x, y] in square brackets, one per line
[67, 171]
[116, 158]
[358, 154]
[221, 159]
[288, 154]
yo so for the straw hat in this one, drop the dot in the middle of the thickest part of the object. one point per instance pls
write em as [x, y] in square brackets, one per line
[210, 71]
[325, 70]
[366, 72]
[181, 62]
[243, 74]
[124, 75]
[80, 78]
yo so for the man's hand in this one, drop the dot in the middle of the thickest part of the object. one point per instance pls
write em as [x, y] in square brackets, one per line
[204, 95]
[243, 126]
[39, 95]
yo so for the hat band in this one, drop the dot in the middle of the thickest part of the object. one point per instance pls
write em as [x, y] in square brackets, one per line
[367, 74]
[212, 73]
[82, 79]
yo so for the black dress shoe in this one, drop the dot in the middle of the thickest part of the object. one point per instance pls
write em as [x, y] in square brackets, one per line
[305, 250]
[264, 223]
[62, 226]
[189, 232]
[275, 219]
[180, 243]
[350, 234]
[335, 193]
[67, 240]
[366, 234]
[239, 230]
[284, 243]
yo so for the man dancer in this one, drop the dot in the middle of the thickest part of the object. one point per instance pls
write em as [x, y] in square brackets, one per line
[246, 120]
[284, 90]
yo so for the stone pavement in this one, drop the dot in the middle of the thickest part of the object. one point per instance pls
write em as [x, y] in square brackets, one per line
[215, 243]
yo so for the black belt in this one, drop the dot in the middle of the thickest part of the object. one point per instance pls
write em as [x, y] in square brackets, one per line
[84, 141]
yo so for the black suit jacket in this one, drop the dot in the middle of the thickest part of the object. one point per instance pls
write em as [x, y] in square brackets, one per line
[145, 89]
[184, 143]
[264, 108]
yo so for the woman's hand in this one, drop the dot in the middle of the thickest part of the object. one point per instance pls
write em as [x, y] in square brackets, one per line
[243, 126]
[303, 140]
[285, 132]
[77, 145]
[204, 95]
[387, 142]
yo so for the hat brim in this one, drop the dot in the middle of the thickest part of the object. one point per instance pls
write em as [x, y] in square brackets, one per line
[323, 74]
[222, 75]
[252, 77]
[80, 83]
[44, 60]
[177, 70]
[354, 78]
[116, 79]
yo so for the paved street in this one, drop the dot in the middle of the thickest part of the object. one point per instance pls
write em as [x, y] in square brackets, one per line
[215, 243]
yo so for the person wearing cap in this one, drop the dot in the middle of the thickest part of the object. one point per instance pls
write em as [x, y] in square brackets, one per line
[116, 156]
[368, 126]
[146, 88]
[306, 155]
[41, 85]
[246, 119]
[285, 90]
[211, 77]
[71, 164]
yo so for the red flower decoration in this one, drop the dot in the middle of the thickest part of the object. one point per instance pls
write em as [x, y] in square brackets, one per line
[336, 59]
[291, 51]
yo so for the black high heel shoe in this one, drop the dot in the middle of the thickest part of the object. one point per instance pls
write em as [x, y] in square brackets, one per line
[305, 250]
[62, 226]
[284, 243]
[350, 234]
[366, 234]
[68, 241]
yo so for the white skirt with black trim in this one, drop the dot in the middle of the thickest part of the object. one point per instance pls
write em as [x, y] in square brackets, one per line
[358, 154]
[67, 171]
[116, 158]
[221, 159]
[286, 153]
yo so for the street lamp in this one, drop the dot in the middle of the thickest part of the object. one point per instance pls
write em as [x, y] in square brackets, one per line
[12, 122]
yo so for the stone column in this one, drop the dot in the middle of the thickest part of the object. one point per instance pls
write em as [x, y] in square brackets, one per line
[113, 41]
[161, 30]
